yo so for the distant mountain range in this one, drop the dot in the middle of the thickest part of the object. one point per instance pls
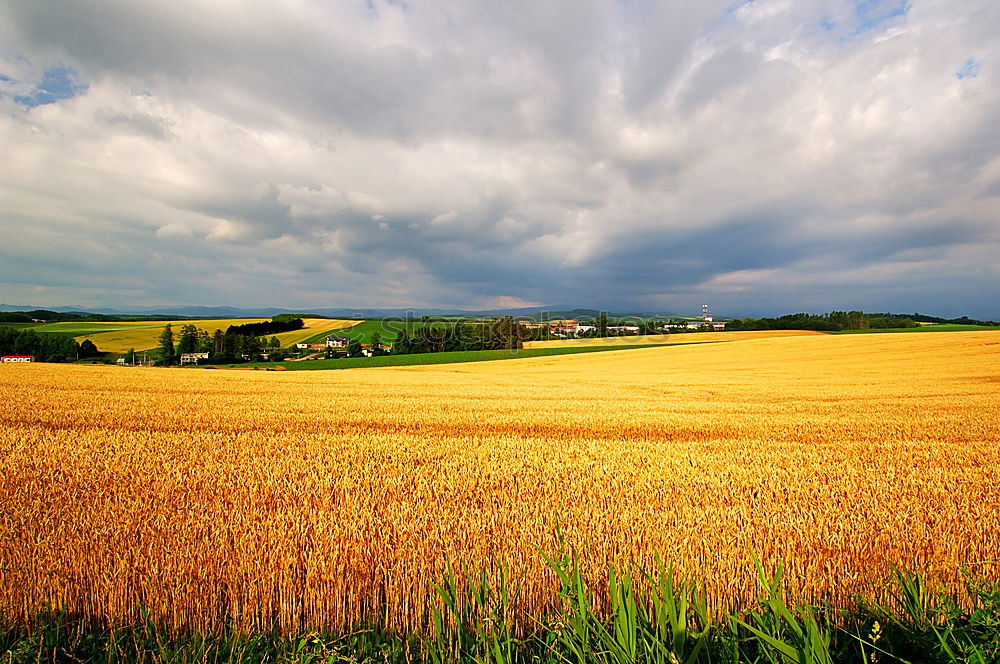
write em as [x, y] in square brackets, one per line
[171, 311]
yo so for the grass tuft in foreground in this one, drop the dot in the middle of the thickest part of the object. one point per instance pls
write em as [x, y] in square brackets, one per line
[651, 617]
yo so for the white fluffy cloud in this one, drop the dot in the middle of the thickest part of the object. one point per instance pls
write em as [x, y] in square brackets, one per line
[764, 157]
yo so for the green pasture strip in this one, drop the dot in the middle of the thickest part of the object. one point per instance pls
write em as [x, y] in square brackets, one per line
[80, 329]
[390, 328]
[416, 359]
[20, 326]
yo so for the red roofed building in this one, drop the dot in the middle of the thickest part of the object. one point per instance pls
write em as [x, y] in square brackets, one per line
[18, 358]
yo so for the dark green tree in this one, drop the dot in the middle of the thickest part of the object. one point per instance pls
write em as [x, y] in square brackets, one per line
[27, 343]
[354, 348]
[232, 346]
[252, 348]
[376, 343]
[205, 344]
[167, 345]
[89, 349]
[187, 342]
[218, 342]
[403, 345]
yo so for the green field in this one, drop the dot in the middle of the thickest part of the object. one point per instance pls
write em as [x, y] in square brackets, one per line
[79, 329]
[944, 327]
[389, 328]
[19, 326]
[434, 358]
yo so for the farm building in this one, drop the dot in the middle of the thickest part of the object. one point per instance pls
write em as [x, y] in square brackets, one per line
[337, 342]
[569, 326]
[18, 358]
[192, 358]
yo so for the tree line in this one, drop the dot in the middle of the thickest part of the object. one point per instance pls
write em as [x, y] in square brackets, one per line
[45, 347]
[222, 347]
[498, 334]
[961, 320]
[276, 325]
[47, 316]
[835, 321]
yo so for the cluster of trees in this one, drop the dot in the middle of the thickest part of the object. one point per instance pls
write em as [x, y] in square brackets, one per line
[831, 322]
[499, 334]
[222, 348]
[278, 324]
[15, 317]
[46, 347]
[48, 316]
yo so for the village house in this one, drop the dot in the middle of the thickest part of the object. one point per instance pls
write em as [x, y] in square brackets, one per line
[192, 358]
[337, 342]
[563, 326]
[18, 358]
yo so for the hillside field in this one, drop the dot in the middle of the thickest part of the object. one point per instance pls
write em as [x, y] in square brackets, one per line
[302, 500]
[118, 337]
[315, 330]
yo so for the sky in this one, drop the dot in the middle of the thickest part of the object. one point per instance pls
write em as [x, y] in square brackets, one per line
[764, 157]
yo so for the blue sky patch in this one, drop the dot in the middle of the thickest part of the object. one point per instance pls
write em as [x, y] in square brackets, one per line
[970, 69]
[873, 13]
[57, 83]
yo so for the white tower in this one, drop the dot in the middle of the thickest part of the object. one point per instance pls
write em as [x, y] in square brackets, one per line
[706, 315]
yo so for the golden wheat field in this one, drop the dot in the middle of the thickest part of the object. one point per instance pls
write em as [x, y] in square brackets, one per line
[318, 499]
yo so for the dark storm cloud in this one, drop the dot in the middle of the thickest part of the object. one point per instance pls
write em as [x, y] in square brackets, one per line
[766, 155]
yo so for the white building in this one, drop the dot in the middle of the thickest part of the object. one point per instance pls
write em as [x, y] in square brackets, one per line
[192, 358]
[10, 359]
[714, 324]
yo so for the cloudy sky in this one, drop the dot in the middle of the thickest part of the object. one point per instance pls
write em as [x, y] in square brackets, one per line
[765, 157]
